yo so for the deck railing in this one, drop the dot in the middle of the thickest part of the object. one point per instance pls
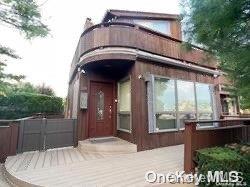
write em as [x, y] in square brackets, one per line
[120, 34]
[222, 132]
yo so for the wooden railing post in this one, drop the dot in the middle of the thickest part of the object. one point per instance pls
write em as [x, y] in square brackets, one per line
[14, 138]
[189, 149]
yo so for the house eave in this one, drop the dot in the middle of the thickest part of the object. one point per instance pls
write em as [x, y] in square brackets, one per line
[139, 54]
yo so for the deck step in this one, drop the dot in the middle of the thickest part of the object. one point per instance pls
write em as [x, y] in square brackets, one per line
[106, 147]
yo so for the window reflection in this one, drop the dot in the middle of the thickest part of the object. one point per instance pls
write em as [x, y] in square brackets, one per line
[186, 98]
[157, 25]
[124, 96]
[204, 103]
[164, 95]
[124, 105]
[165, 104]
[194, 102]
[165, 121]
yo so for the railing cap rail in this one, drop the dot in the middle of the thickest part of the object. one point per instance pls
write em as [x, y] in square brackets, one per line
[215, 121]
[15, 120]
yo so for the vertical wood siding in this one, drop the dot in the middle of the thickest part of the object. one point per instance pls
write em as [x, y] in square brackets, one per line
[145, 140]
[203, 138]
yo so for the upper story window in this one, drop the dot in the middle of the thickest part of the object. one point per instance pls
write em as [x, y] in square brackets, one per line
[157, 25]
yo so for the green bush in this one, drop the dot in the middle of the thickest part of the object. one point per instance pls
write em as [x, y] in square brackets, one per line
[222, 159]
[21, 105]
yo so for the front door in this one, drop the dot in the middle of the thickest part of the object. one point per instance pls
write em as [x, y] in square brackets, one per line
[101, 109]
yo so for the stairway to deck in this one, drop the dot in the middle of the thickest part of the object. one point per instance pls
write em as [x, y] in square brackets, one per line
[106, 146]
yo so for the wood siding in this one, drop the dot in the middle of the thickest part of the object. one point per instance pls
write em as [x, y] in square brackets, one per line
[132, 36]
[196, 139]
[141, 136]
[139, 118]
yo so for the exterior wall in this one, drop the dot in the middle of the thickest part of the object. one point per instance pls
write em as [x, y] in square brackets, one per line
[139, 117]
[73, 93]
[175, 27]
[145, 140]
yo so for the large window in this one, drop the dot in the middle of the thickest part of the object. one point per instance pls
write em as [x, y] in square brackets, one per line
[186, 101]
[175, 101]
[124, 105]
[204, 103]
[157, 25]
[165, 104]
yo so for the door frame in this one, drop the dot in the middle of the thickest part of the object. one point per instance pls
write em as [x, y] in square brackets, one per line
[114, 104]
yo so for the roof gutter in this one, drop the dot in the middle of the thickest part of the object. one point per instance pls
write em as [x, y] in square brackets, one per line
[178, 63]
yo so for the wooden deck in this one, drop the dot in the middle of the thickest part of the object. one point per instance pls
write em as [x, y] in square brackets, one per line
[69, 167]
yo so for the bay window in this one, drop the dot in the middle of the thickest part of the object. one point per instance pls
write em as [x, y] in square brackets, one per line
[175, 101]
[124, 105]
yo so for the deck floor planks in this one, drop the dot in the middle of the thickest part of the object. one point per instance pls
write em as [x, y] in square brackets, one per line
[67, 156]
[47, 159]
[69, 167]
[40, 160]
[61, 159]
[26, 161]
[34, 160]
[19, 161]
[54, 158]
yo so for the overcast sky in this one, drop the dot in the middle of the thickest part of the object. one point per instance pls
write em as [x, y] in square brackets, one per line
[47, 60]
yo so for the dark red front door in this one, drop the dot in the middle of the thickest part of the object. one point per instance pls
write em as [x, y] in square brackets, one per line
[101, 109]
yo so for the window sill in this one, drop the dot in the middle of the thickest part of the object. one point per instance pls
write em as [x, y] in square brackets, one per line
[166, 130]
[221, 128]
[124, 130]
[205, 127]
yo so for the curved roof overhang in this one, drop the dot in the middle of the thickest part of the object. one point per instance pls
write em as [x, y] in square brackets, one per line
[126, 53]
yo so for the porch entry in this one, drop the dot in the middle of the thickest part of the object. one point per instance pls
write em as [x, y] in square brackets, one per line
[101, 113]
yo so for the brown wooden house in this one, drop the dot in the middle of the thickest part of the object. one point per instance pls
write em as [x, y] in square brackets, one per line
[132, 78]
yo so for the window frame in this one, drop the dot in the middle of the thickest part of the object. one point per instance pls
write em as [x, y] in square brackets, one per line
[152, 21]
[213, 107]
[154, 103]
[151, 101]
[128, 78]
